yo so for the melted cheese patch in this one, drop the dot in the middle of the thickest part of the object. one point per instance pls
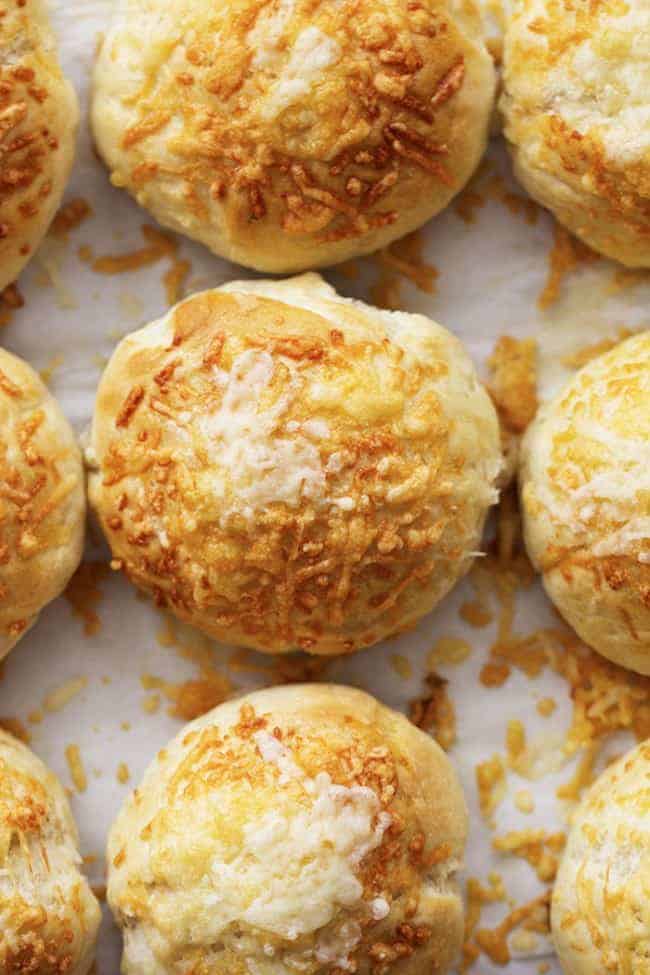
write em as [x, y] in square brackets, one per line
[297, 867]
[311, 54]
[255, 463]
[265, 36]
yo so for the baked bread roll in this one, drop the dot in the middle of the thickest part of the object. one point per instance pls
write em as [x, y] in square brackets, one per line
[577, 117]
[48, 912]
[42, 499]
[38, 123]
[285, 468]
[601, 910]
[585, 487]
[291, 134]
[326, 833]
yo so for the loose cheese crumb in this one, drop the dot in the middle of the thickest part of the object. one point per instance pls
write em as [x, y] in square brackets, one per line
[491, 785]
[536, 846]
[84, 594]
[401, 665]
[57, 699]
[312, 52]
[435, 712]
[448, 650]
[513, 381]
[567, 253]
[524, 801]
[76, 766]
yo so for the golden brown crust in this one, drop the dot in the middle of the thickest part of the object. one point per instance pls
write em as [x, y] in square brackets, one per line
[318, 131]
[600, 910]
[575, 104]
[293, 763]
[42, 503]
[284, 479]
[585, 482]
[49, 915]
[38, 117]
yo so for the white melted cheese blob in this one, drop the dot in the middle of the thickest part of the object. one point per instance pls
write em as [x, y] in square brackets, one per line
[255, 464]
[302, 866]
[311, 54]
[265, 35]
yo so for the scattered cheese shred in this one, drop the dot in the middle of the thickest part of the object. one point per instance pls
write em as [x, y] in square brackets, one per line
[491, 785]
[174, 280]
[84, 595]
[566, 255]
[76, 766]
[448, 650]
[585, 354]
[158, 246]
[546, 706]
[435, 712]
[70, 216]
[539, 848]
[401, 260]
[57, 699]
[401, 665]
[524, 801]
[533, 916]
[513, 382]
[477, 896]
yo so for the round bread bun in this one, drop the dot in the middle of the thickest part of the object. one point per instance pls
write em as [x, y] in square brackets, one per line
[585, 486]
[600, 913]
[42, 499]
[292, 134]
[326, 834]
[38, 124]
[288, 469]
[49, 916]
[577, 117]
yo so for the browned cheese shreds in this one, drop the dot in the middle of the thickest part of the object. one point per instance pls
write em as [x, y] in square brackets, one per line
[477, 896]
[84, 594]
[566, 255]
[402, 260]
[533, 916]
[585, 354]
[513, 381]
[487, 185]
[158, 246]
[70, 216]
[76, 766]
[435, 711]
[605, 698]
[538, 847]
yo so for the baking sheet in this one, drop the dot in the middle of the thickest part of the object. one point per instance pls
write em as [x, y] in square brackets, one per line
[490, 275]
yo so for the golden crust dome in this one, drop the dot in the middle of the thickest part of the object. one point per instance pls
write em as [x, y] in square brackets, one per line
[326, 833]
[577, 117]
[48, 914]
[601, 903]
[291, 134]
[585, 484]
[42, 499]
[285, 468]
[38, 122]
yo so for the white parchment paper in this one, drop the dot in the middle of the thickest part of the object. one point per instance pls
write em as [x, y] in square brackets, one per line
[491, 273]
